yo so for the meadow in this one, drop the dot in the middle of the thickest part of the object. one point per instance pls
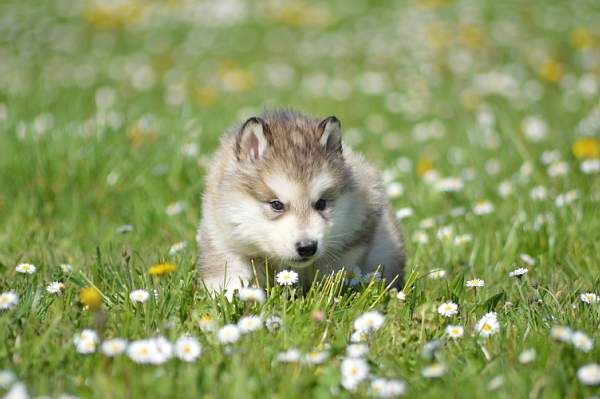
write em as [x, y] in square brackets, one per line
[483, 116]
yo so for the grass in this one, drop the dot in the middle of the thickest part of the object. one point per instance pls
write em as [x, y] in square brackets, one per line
[100, 107]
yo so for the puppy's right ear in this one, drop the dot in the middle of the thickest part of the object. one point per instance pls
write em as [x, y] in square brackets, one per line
[253, 140]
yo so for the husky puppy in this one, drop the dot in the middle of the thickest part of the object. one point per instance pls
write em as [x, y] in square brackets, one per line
[283, 192]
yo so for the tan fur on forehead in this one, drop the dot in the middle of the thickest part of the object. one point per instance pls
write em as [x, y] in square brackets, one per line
[295, 152]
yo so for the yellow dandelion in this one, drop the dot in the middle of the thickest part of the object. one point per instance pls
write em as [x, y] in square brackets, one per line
[582, 39]
[423, 166]
[90, 297]
[551, 71]
[161, 268]
[586, 147]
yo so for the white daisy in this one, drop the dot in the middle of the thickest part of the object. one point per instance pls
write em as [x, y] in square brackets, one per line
[8, 299]
[455, 331]
[113, 347]
[369, 321]
[589, 297]
[527, 356]
[401, 296]
[435, 370]
[206, 323]
[7, 377]
[187, 348]
[315, 357]
[177, 247]
[252, 294]
[449, 185]
[447, 309]
[589, 374]
[505, 189]
[590, 166]
[66, 268]
[404, 213]
[164, 350]
[249, 324]
[519, 272]
[174, 208]
[287, 277]
[488, 324]
[462, 239]
[142, 351]
[139, 296]
[475, 283]
[25, 268]
[538, 193]
[357, 350]
[436, 274]
[55, 287]
[359, 336]
[527, 259]
[292, 355]
[561, 333]
[421, 237]
[228, 334]
[483, 208]
[445, 233]
[273, 322]
[86, 341]
[582, 341]
[354, 369]
[383, 388]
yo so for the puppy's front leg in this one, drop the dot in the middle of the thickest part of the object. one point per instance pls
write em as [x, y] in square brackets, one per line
[233, 275]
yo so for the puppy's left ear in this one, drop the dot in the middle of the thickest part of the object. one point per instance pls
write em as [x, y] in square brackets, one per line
[331, 135]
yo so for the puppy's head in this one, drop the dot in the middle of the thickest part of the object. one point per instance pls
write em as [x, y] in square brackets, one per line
[291, 188]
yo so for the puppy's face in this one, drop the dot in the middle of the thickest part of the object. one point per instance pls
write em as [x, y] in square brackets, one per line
[290, 192]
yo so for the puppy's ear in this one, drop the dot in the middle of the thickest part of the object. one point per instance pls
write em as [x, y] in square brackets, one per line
[253, 140]
[331, 135]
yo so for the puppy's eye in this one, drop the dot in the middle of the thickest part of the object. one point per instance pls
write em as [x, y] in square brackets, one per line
[277, 205]
[320, 205]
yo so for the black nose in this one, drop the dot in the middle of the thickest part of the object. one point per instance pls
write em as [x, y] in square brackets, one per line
[306, 248]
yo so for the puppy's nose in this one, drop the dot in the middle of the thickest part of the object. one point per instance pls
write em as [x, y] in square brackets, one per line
[306, 248]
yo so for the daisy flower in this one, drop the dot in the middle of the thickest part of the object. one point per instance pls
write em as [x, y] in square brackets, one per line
[316, 357]
[292, 355]
[421, 237]
[475, 283]
[187, 348]
[174, 208]
[55, 287]
[589, 297]
[527, 356]
[444, 233]
[7, 378]
[86, 341]
[404, 213]
[139, 296]
[177, 247]
[590, 166]
[287, 277]
[483, 208]
[249, 324]
[401, 296]
[582, 341]
[8, 300]
[113, 347]
[25, 268]
[206, 323]
[455, 331]
[447, 309]
[142, 351]
[359, 336]
[353, 371]
[436, 274]
[488, 324]
[164, 350]
[369, 321]
[462, 239]
[273, 323]
[383, 388]
[561, 333]
[527, 259]
[66, 268]
[251, 294]
[357, 350]
[228, 334]
[589, 374]
[435, 370]
[450, 185]
[518, 272]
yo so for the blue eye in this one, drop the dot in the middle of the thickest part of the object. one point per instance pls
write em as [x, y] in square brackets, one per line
[277, 205]
[320, 205]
